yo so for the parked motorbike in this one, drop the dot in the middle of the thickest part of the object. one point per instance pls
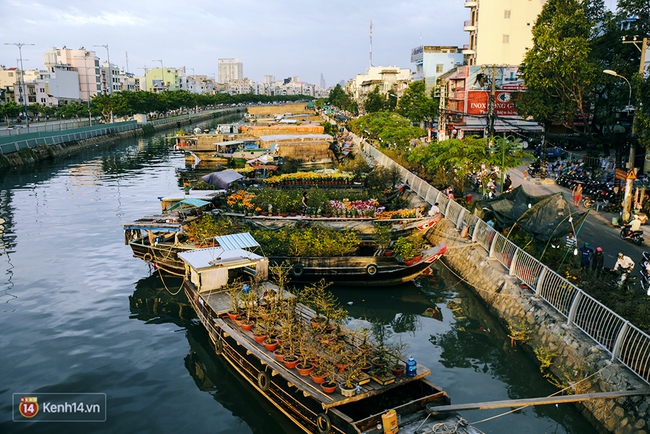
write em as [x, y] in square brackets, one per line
[635, 237]
[645, 276]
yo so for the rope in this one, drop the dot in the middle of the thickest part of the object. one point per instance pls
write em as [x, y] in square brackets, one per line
[165, 286]
[553, 394]
[463, 280]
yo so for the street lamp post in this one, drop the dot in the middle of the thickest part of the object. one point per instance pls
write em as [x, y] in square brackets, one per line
[22, 74]
[627, 198]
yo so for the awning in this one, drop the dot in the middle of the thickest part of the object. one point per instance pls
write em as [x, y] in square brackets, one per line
[189, 202]
[242, 240]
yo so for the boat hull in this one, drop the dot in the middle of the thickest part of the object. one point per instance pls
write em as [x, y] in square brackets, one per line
[298, 398]
[353, 270]
[358, 270]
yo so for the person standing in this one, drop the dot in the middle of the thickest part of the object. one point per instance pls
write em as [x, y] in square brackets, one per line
[598, 261]
[577, 194]
[570, 241]
[305, 208]
[507, 184]
[586, 253]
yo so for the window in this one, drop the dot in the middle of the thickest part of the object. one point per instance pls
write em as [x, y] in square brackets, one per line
[439, 68]
[506, 15]
[506, 39]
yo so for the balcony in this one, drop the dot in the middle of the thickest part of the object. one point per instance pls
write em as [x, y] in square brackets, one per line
[468, 50]
[471, 3]
[469, 26]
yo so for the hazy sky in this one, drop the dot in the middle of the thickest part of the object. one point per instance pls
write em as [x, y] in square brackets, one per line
[277, 37]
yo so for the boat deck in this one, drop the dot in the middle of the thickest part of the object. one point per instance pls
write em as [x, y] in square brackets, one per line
[218, 301]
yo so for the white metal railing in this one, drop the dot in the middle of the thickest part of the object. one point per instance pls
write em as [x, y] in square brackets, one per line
[622, 340]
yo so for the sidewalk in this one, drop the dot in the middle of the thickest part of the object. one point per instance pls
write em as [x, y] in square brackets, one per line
[597, 229]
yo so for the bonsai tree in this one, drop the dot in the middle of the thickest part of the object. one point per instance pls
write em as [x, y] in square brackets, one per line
[396, 356]
[233, 290]
[382, 236]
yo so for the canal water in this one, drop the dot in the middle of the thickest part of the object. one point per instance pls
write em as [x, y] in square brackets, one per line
[79, 314]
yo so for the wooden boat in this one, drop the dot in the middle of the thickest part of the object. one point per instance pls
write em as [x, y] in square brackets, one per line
[401, 404]
[161, 246]
[376, 270]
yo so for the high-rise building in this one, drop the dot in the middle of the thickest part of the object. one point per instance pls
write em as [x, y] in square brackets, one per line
[230, 70]
[500, 31]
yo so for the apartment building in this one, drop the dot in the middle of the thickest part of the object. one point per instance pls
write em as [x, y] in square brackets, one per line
[230, 70]
[500, 31]
[433, 61]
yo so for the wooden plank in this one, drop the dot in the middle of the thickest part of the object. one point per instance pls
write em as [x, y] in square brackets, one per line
[563, 399]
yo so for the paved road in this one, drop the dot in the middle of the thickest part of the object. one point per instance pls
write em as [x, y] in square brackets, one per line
[597, 229]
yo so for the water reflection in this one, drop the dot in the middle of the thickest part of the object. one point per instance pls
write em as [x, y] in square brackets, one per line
[153, 303]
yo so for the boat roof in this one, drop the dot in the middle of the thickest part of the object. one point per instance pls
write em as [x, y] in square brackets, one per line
[191, 201]
[216, 256]
[242, 240]
[235, 142]
[295, 137]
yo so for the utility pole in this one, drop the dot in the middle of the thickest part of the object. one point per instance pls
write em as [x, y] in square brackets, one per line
[627, 198]
[20, 46]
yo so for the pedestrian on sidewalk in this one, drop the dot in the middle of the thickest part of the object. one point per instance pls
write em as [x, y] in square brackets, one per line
[598, 261]
[586, 253]
[525, 175]
[577, 194]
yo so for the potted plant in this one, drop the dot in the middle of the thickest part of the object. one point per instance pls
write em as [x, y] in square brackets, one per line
[396, 353]
[383, 237]
[405, 249]
[233, 290]
[329, 385]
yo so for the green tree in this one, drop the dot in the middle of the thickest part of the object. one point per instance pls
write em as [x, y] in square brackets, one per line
[341, 99]
[375, 101]
[10, 110]
[558, 70]
[388, 129]
[416, 105]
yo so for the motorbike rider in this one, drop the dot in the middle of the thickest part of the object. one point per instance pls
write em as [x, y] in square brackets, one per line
[635, 224]
[625, 264]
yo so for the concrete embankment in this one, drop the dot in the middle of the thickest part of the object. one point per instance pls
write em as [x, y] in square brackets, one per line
[575, 361]
[32, 154]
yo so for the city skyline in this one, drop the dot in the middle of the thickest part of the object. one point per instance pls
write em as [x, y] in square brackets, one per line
[332, 39]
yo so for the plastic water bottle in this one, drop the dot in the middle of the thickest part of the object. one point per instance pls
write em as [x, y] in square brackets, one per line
[411, 367]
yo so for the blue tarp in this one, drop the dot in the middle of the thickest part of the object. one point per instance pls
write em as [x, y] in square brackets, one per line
[189, 202]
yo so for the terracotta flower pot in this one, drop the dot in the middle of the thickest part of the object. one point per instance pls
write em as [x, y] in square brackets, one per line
[397, 370]
[279, 356]
[305, 369]
[271, 345]
[259, 339]
[247, 326]
[388, 253]
[233, 315]
[289, 362]
[329, 387]
[317, 378]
